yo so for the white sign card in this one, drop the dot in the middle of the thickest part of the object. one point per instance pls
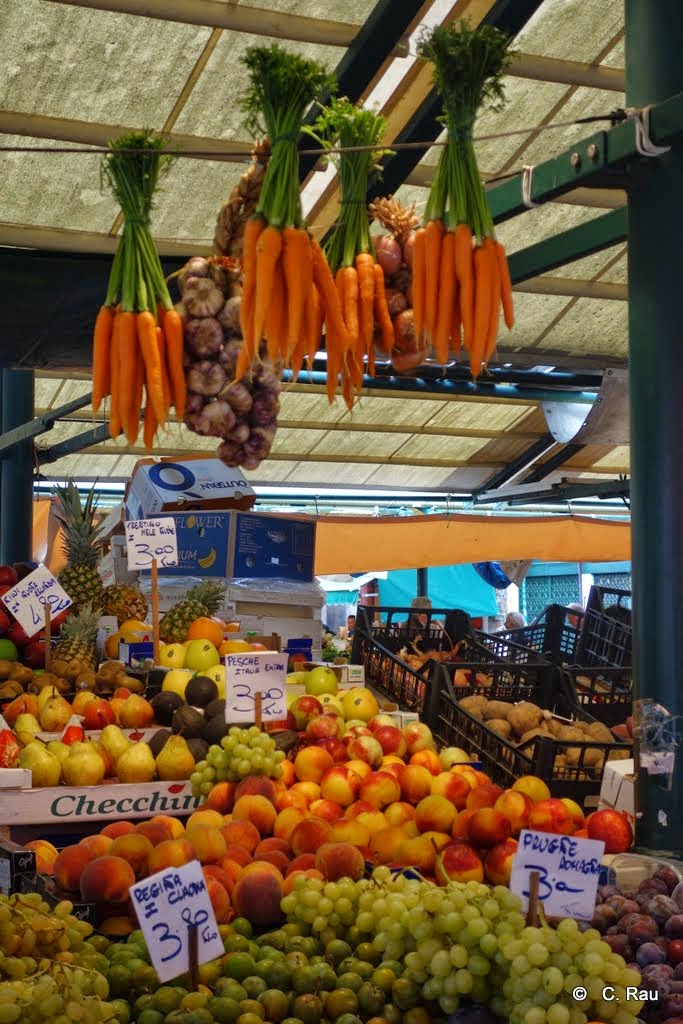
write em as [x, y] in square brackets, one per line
[27, 600]
[248, 674]
[150, 539]
[166, 904]
[568, 870]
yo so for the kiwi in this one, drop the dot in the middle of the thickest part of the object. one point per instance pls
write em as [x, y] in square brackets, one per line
[165, 706]
[215, 729]
[188, 722]
[216, 707]
[158, 741]
[198, 748]
[200, 691]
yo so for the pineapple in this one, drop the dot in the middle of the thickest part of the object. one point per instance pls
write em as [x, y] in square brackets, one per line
[124, 602]
[76, 649]
[204, 599]
[80, 577]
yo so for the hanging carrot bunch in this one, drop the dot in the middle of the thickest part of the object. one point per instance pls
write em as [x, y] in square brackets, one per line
[138, 337]
[460, 270]
[358, 276]
[288, 288]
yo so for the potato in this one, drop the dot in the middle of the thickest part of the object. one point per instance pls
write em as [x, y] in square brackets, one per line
[570, 732]
[591, 756]
[475, 705]
[497, 709]
[5, 668]
[553, 726]
[618, 755]
[531, 734]
[523, 717]
[600, 732]
[500, 726]
[560, 762]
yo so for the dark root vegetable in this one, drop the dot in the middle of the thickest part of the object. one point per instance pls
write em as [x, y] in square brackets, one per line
[201, 297]
[408, 249]
[265, 408]
[229, 316]
[206, 378]
[404, 329]
[230, 453]
[197, 266]
[396, 302]
[389, 254]
[259, 441]
[239, 396]
[215, 420]
[204, 336]
[195, 402]
[403, 362]
[240, 433]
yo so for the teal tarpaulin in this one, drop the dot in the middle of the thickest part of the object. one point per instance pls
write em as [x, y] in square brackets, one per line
[449, 586]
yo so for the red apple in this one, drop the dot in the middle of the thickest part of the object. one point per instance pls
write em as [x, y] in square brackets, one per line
[8, 576]
[304, 709]
[34, 654]
[59, 620]
[97, 714]
[16, 634]
[4, 623]
[335, 748]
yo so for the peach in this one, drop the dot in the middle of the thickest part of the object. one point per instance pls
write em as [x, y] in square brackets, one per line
[220, 900]
[231, 869]
[335, 748]
[455, 788]
[172, 853]
[416, 783]
[46, 854]
[311, 763]
[339, 860]
[359, 807]
[373, 820]
[241, 833]
[393, 759]
[256, 785]
[360, 768]
[366, 748]
[515, 806]
[257, 866]
[258, 810]
[303, 862]
[309, 835]
[304, 709]
[290, 799]
[276, 858]
[488, 827]
[399, 813]
[216, 871]
[237, 853]
[340, 784]
[418, 853]
[498, 862]
[135, 849]
[380, 789]
[290, 880]
[257, 897]
[222, 797]
[270, 844]
[70, 864]
[379, 721]
[350, 830]
[208, 842]
[612, 828]
[437, 839]
[325, 727]
[385, 843]
[107, 879]
[286, 822]
[578, 817]
[117, 828]
[551, 816]
[174, 825]
[326, 809]
[483, 795]
[418, 737]
[459, 862]
[155, 831]
[435, 813]
[99, 844]
[391, 740]
[429, 759]
[393, 768]
[461, 825]
[533, 787]
[288, 777]
[466, 772]
[309, 790]
[206, 816]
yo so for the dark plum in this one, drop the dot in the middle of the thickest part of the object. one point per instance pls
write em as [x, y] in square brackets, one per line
[605, 891]
[612, 930]
[629, 907]
[654, 885]
[619, 944]
[642, 899]
[678, 972]
[672, 1006]
[649, 954]
[673, 928]
[616, 902]
[658, 980]
[669, 876]
[604, 916]
[661, 908]
[641, 929]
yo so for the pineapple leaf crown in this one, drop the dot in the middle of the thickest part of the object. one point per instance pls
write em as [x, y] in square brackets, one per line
[82, 625]
[77, 518]
[208, 594]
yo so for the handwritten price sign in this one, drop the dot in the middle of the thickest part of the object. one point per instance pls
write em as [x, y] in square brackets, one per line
[167, 904]
[27, 600]
[568, 870]
[150, 539]
[251, 673]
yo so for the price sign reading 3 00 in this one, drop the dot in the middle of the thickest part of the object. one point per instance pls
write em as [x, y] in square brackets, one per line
[149, 540]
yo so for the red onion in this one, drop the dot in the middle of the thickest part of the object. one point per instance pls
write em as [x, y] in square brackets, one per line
[201, 297]
[204, 336]
[229, 316]
[388, 253]
[408, 247]
[264, 410]
[215, 420]
[404, 330]
[206, 378]
[239, 396]
[396, 301]
[402, 362]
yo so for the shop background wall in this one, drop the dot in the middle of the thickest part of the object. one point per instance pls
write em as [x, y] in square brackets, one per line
[452, 586]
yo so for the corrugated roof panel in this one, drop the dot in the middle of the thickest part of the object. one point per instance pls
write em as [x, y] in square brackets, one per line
[373, 408]
[571, 29]
[484, 415]
[619, 456]
[337, 442]
[583, 103]
[408, 477]
[591, 328]
[330, 474]
[352, 11]
[190, 197]
[427, 446]
[533, 315]
[297, 405]
[296, 442]
[590, 266]
[45, 390]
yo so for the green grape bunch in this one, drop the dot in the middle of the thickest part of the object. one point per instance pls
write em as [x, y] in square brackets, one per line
[241, 753]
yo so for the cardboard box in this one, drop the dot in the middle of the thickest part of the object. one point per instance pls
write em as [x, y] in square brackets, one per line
[170, 485]
[45, 885]
[113, 567]
[347, 675]
[14, 862]
[618, 788]
[14, 778]
[107, 802]
[134, 655]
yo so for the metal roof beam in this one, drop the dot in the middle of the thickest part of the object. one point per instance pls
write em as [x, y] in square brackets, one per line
[515, 467]
[40, 424]
[567, 452]
[583, 240]
[569, 286]
[72, 445]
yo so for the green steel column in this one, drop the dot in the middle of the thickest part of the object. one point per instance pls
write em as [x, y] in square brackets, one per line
[16, 483]
[654, 71]
[422, 582]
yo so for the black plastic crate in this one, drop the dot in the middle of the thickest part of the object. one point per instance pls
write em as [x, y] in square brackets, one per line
[391, 627]
[505, 762]
[389, 675]
[606, 693]
[606, 632]
[550, 634]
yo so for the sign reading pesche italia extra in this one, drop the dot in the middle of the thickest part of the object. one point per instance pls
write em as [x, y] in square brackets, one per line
[95, 803]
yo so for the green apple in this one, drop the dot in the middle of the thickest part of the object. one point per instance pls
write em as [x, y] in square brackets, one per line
[321, 680]
[331, 702]
[176, 680]
[172, 655]
[296, 678]
[201, 655]
[217, 673]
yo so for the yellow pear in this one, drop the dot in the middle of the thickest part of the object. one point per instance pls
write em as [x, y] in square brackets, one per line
[47, 693]
[27, 723]
[175, 761]
[83, 766]
[114, 742]
[54, 714]
[59, 749]
[46, 769]
[136, 764]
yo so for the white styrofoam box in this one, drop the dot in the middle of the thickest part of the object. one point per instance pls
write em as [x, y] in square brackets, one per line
[290, 598]
[618, 788]
[113, 567]
[109, 801]
[15, 778]
[286, 628]
[173, 589]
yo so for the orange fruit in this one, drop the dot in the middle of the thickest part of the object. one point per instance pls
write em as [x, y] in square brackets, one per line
[232, 627]
[111, 645]
[204, 628]
[233, 647]
[256, 647]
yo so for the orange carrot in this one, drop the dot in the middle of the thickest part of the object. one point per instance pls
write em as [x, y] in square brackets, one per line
[482, 308]
[115, 372]
[347, 381]
[173, 331]
[268, 249]
[456, 324]
[163, 358]
[133, 422]
[505, 287]
[243, 362]
[128, 353]
[419, 281]
[365, 269]
[101, 362]
[312, 331]
[334, 360]
[464, 272]
[147, 336]
[276, 319]
[297, 264]
[382, 318]
[348, 288]
[322, 276]
[447, 286]
[252, 232]
[434, 233]
[150, 424]
[494, 313]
